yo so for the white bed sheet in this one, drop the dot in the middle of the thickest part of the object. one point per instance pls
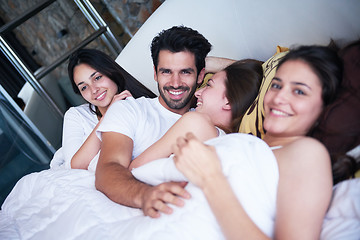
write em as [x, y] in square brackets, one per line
[64, 204]
[343, 218]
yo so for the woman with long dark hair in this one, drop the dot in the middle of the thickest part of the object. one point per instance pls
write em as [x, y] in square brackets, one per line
[100, 81]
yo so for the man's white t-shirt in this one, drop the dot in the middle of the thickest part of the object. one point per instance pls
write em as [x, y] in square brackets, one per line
[144, 120]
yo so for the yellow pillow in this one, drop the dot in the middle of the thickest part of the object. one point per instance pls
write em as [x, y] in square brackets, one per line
[252, 122]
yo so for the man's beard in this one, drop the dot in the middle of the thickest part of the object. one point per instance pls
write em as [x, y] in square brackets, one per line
[177, 104]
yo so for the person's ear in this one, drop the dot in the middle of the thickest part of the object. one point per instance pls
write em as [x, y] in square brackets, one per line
[226, 105]
[201, 77]
[155, 74]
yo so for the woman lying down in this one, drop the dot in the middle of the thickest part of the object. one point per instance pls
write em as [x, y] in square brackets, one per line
[237, 182]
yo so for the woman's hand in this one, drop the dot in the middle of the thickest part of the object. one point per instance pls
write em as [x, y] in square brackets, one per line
[121, 96]
[197, 161]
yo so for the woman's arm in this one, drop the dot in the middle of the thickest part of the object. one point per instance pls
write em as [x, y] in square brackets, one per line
[197, 123]
[73, 133]
[201, 165]
[87, 150]
[304, 190]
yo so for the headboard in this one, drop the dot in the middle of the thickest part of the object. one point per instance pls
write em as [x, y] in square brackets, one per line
[244, 28]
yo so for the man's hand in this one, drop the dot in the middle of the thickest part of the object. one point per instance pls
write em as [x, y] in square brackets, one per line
[156, 199]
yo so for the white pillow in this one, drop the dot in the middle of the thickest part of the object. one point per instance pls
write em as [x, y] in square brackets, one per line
[342, 220]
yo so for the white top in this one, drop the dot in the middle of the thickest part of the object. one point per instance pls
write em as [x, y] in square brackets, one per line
[78, 124]
[252, 171]
[144, 120]
[276, 147]
[220, 131]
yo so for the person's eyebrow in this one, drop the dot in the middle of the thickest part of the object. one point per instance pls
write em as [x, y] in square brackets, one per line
[293, 83]
[188, 69]
[91, 75]
[302, 84]
[164, 69]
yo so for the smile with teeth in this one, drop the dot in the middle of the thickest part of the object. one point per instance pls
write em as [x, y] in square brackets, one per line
[100, 96]
[279, 113]
[176, 93]
[198, 103]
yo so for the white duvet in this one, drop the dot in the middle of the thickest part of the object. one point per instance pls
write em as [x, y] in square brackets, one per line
[64, 204]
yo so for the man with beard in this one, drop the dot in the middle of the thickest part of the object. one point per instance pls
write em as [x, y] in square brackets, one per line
[131, 126]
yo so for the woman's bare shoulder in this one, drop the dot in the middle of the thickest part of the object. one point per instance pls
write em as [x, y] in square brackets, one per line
[305, 150]
[196, 117]
[194, 114]
[307, 144]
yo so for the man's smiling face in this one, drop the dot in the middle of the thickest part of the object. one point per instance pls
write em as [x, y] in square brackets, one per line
[177, 80]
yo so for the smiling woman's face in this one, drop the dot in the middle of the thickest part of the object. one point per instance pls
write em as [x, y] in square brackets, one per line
[212, 98]
[94, 87]
[294, 101]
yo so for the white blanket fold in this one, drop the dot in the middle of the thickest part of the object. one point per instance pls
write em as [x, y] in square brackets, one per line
[64, 204]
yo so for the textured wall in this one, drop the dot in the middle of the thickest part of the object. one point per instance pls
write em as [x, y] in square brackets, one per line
[61, 26]
[132, 13]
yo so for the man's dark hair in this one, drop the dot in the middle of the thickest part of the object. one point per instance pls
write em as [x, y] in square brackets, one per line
[178, 39]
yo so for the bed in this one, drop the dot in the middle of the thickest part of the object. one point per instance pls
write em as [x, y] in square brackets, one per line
[63, 204]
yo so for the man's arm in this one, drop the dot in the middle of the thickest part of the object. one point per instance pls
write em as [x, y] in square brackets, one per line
[90, 148]
[115, 180]
[216, 64]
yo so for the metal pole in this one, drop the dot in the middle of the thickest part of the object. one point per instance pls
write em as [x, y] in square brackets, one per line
[28, 76]
[96, 21]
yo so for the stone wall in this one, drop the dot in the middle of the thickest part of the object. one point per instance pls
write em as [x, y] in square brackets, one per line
[132, 13]
[61, 26]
